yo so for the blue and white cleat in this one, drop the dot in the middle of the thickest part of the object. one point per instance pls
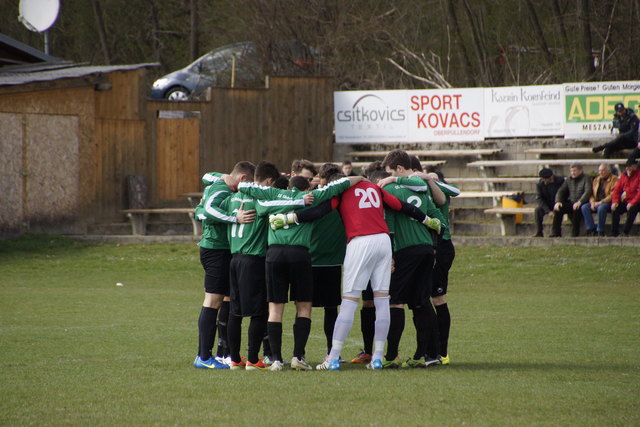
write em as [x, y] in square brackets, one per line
[329, 366]
[212, 363]
[375, 364]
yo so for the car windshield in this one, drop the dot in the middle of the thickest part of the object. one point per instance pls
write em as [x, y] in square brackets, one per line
[220, 60]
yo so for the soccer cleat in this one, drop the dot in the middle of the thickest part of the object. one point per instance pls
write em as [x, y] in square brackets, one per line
[212, 363]
[236, 366]
[329, 366]
[414, 363]
[375, 364]
[392, 364]
[223, 360]
[258, 366]
[362, 357]
[276, 366]
[267, 360]
[300, 364]
[432, 361]
[444, 359]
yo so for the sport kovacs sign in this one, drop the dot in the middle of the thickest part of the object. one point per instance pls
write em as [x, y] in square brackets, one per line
[370, 117]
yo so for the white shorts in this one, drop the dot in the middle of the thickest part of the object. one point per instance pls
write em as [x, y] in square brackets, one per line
[367, 258]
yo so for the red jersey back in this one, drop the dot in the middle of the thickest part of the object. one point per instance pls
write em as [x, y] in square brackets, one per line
[362, 210]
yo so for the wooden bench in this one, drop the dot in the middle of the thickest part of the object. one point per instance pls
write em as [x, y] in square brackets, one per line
[431, 153]
[508, 218]
[542, 162]
[485, 194]
[568, 150]
[496, 179]
[138, 218]
[193, 198]
[425, 163]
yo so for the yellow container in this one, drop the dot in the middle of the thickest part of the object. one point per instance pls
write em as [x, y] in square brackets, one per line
[514, 202]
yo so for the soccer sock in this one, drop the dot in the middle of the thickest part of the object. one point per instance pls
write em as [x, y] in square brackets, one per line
[382, 322]
[223, 319]
[266, 347]
[330, 316]
[206, 331]
[368, 327]
[433, 344]
[444, 325]
[234, 335]
[301, 330]
[343, 325]
[396, 327]
[274, 329]
[257, 328]
[420, 323]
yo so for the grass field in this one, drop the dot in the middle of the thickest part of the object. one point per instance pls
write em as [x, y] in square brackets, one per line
[540, 336]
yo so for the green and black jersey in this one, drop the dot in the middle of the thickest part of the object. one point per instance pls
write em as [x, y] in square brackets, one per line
[328, 240]
[214, 219]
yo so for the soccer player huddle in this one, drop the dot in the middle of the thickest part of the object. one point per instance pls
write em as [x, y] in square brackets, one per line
[325, 240]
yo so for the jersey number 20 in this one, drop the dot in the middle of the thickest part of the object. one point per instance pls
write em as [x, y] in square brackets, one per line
[368, 198]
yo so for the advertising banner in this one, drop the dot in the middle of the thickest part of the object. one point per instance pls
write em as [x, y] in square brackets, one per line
[589, 106]
[523, 111]
[370, 116]
[444, 115]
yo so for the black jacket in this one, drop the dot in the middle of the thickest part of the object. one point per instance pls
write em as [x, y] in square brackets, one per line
[627, 124]
[546, 193]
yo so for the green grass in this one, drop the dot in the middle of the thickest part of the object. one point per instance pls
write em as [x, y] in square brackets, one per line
[540, 336]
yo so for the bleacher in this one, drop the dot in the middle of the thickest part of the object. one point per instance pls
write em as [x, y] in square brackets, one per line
[491, 170]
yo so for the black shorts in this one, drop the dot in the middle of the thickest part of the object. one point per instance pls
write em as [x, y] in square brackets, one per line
[248, 286]
[411, 279]
[289, 265]
[444, 260]
[216, 270]
[367, 294]
[327, 281]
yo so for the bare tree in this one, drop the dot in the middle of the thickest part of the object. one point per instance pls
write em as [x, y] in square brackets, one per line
[585, 59]
[102, 32]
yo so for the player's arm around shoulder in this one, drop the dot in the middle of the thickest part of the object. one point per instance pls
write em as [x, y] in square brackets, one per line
[210, 209]
[333, 189]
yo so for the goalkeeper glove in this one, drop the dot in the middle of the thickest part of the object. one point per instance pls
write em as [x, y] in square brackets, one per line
[282, 220]
[433, 223]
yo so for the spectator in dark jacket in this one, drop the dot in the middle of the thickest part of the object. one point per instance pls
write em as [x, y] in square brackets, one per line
[626, 198]
[572, 194]
[546, 190]
[625, 122]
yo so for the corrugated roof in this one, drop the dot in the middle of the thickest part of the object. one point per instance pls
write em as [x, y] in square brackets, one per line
[13, 77]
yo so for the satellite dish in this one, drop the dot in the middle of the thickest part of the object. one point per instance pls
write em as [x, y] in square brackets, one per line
[38, 15]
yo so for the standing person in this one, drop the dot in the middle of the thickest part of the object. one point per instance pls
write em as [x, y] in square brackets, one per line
[248, 289]
[572, 194]
[215, 255]
[625, 123]
[347, 168]
[414, 254]
[445, 255]
[600, 200]
[288, 262]
[626, 198]
[546, 190]
[327, 247]
[306, 169]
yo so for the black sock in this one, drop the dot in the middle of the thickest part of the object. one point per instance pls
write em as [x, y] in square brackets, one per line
[330, 316]
[223, 319]
[266, 347]
[444, 325]
[396, 327]
[433, 337]
[301, 330]
[234, 336]
[368, 327]
[274, 329]
[257, 328]
[206, 331]
[420, 323]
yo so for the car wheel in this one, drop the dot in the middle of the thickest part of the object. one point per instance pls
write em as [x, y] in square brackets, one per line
[177, 93]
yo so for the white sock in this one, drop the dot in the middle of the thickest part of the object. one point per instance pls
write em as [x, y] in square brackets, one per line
[342, 328]
[383, 319]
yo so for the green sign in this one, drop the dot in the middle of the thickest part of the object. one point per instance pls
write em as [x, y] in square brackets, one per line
[597, 107]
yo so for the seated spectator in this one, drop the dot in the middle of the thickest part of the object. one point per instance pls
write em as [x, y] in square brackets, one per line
[546, 190]
[600, 200]
[625, 123]
[626, 198]
[347, 168]
[572, 194]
